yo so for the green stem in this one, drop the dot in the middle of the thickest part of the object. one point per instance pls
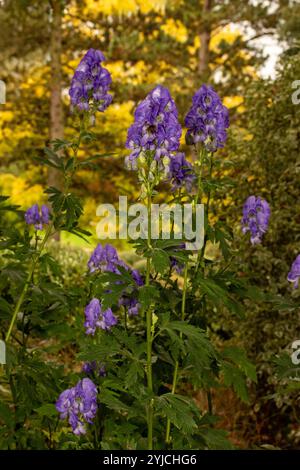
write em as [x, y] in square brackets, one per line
[175, 373]
[149, 334]
[201, 252]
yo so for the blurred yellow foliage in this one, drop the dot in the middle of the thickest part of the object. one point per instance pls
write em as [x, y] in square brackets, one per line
[122, 7]
[175, 29]
[227, 34]
[116, 120]
[234, 102]
[19, 190]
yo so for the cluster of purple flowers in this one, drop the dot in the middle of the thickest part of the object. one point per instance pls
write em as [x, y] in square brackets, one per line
[294, 274]
[207, 119]
[90, 83]
[156, 128]
[96, 317]
[106, 259]
[37, 217]
[79, 405]
[256, 214]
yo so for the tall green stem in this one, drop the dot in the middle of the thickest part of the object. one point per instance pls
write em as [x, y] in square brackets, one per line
[149, 333]
[175, 373]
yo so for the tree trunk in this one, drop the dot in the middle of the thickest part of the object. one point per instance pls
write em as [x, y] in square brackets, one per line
[56, 105]
[204, 40]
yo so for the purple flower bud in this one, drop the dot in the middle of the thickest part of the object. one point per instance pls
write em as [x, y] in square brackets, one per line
[36, 217]
[94, 367]
[207, 120]
[79, 404]
[294, 274]
[90, 83]
[256, 214]
[181, 172]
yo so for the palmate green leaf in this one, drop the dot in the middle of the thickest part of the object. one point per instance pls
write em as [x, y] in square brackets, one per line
[195, 343]
[219, 295]
[111, 399]
[216, 439]
[134, 373]
[238, 357]
[235, 378]
[160, 260]
[163, 244]
[100, 352]
[181, 411]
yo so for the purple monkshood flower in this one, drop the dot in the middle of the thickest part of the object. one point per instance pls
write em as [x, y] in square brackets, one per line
[79, 405]
[96, 317]
[294, 274]
[155, 128]
[181, 172]
[106, 259]
[37, 217]
[207, 120]
[94, 367]
[90, 83]
[256, 215]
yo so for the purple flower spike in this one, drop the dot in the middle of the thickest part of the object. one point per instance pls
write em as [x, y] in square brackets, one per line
[256, 215]
[90, 83]
[36, 217]
[156, 127]
[207, 120]
[294, 274]
[79, 405]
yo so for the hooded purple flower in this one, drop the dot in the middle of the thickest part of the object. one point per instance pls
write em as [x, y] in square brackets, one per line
[256, 214]
[294, 274]
[95, 317]
[181, 172]
[104, 258]
[90, 83]
[156, 127]
[36, 217]
[79, 405]
[207, 120]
